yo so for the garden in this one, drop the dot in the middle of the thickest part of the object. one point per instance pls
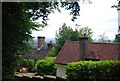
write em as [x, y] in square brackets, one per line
[82, 70]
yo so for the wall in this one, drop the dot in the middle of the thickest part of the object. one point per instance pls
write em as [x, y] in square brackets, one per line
[38, 78]
[61, 70]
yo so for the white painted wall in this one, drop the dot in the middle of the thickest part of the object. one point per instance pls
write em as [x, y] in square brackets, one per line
[61, 70]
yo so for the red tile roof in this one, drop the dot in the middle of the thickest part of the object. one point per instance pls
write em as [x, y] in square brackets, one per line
[103, 51]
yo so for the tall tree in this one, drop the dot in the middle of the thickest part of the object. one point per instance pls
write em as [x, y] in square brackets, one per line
[75, 35]
[64, 34]
[17, 24]
[67, 33]
[17, 28]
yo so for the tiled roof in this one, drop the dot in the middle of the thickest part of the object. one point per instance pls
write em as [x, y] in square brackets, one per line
[103, 51]
[36, 54]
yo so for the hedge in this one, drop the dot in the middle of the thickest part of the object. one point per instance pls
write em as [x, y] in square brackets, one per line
[46, 66]
[93, 70]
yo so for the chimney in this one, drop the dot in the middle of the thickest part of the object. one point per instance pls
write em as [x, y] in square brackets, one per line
[50, 42]
[83, 42]
[50, 45]
[41, 41]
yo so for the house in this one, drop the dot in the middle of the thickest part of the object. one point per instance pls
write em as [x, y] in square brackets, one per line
[41, 51]
[74, 51]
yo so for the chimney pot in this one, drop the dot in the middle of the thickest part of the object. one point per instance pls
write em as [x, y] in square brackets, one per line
[84, 34]
[50, 42]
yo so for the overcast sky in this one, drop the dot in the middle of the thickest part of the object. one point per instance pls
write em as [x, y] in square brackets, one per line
[99, 16]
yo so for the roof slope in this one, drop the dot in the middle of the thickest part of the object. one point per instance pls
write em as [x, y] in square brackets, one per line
[105, 51]
[36, 54]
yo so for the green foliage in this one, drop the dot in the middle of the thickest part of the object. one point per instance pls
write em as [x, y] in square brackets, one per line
[26, 63]
[17, 22]
[75, 35]
[52, 53]
[87, 31]
[103, 38]
[93, 70]
[17, 29]
[56, 48]
[46, 66]
[67, 33]
[64, 34]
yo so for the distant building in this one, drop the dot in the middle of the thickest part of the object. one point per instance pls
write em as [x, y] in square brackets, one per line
[74, 51]
[41, 51]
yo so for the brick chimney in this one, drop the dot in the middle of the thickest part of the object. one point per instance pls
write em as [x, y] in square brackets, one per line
[50, 45]
[41, 41]
[83, 42]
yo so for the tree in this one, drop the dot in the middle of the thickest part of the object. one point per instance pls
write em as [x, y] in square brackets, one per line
[116, 6]
[87, 31]
[17, 24]
[64, 34]
[75, 35]
[103, 38]
[17, 28]
[67, 33]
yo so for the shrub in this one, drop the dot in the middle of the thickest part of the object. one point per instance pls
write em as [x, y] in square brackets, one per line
[93, 70]
[52, 53]
[46, 66]
[27, 63]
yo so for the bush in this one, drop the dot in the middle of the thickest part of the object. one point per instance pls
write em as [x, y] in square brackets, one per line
[46, 66]
[56, 48]
[52, 53]
[93, 70]
[27, 63]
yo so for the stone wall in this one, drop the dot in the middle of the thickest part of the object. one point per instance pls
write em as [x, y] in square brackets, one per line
[39, 78]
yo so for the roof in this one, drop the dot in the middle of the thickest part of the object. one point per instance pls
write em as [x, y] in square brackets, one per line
[103, 51]
[36, 54]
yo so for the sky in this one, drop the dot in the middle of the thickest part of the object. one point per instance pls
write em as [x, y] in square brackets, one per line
[99, 16]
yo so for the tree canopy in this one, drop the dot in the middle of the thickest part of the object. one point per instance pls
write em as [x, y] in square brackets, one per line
[103, 38]
[65, 33]
[87, 31]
